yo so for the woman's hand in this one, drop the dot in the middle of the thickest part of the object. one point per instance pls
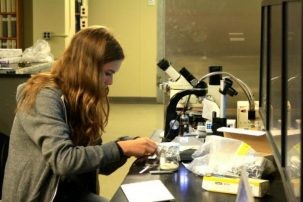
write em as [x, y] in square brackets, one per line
[138, 147]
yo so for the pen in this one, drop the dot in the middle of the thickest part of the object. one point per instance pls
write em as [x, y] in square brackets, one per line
[161, 171]
[144, 169]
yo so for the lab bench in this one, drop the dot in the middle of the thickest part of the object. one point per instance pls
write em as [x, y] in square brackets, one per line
[184, 185]
[29, 69]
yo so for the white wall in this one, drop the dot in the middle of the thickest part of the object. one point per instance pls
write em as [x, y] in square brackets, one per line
[55, 16]
[134, 23]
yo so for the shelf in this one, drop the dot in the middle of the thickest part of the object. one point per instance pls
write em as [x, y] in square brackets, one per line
[10, 24]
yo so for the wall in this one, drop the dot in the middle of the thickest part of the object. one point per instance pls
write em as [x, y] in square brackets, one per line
[54, 16]
[134, 23]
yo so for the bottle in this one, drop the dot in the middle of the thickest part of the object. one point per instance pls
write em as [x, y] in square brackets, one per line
[184, 125]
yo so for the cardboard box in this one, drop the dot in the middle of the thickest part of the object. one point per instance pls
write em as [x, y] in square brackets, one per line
[256, 139]
[230, 185]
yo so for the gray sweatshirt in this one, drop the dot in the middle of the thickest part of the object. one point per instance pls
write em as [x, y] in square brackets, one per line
[41, 152]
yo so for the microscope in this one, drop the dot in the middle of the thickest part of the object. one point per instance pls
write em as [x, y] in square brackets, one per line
[182, 85]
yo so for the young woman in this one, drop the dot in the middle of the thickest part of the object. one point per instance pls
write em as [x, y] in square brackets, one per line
[56, 150]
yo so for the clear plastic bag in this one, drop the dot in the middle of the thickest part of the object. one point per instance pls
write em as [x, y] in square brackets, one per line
[169, 155]
[226, 153]
[226, 156]
[199, 165]
[39, 52]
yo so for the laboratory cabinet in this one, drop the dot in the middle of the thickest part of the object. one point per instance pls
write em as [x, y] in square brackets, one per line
[8, 86]
[281, 88]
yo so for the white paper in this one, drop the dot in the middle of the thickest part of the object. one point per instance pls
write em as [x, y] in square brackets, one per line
[147, 191]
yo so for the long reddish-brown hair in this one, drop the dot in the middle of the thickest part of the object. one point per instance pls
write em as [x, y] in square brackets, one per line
[78, 74]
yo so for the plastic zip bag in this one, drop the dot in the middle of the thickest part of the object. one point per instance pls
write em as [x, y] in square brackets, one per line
[39, 52]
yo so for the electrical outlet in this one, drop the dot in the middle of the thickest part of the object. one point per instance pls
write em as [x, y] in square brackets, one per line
[151, 2]
[83, 23]
[47, 35]
[83, 11]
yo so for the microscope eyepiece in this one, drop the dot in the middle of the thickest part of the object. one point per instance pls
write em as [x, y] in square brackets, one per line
[191, 79]
[170, 70]
[163, 64]
[188, 76]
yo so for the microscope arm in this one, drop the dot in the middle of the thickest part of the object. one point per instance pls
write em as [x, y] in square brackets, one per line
[171, 115]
